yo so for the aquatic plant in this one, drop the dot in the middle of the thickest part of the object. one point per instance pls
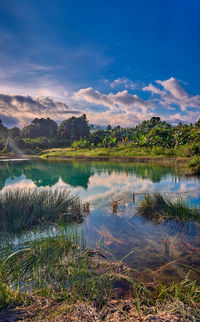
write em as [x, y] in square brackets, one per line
[157, 208]
[60, 270]
[55, 267]
[23, 209]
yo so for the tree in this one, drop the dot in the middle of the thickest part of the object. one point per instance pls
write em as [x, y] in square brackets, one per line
[74, 128]
[97, 136]
[40, 127]
[14, 132]
[197, 124]
[3, 131]
[108, 128]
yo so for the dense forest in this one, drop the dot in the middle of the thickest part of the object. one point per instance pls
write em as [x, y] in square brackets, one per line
[76, 132]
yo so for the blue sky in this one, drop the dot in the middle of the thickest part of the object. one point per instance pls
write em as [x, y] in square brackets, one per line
[120, 62]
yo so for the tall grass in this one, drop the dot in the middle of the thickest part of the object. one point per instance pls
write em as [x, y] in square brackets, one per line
[156, 207]
[23, 209]
[60, 269]
[55, 267]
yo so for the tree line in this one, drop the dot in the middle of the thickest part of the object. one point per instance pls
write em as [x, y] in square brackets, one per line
[76, 132]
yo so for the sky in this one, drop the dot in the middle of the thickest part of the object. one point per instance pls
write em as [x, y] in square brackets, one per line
[118, 61]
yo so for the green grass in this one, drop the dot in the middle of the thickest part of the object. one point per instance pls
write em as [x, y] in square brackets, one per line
[55, 267]
[122, 151]
[155, 207]
[176, 157]
[8, 297]
[60, 269]
[23, 209]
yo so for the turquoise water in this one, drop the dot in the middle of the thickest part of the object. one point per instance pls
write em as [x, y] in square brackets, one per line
[143, 245]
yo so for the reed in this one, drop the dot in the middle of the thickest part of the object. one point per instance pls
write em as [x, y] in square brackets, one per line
[23, 209]
[157, 208]
[54, 267]
[61, 270]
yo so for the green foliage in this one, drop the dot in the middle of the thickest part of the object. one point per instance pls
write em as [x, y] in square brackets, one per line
[14, 132]
[194, 161]
[29, 145]
[188, 150]
[3, 131]
[97, 136]
[159, 150]
[152, 133]
[9, 298]
[162, 138]
[82, 144]
[194, 164]
[74, 128]
[58, 267]
[40, 128]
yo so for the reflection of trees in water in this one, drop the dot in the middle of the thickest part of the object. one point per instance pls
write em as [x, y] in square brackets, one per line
[154, 172]
[48, 173]
[41, 174]
[9, 170]
[44, 173]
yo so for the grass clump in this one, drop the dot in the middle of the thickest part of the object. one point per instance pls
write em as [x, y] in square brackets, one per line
[58, 268]
[157, 208]
[58, 272]
[9, 298]
[23, 209]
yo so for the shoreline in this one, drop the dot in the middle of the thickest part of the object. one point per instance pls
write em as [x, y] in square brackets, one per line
[176, 162]
[182, 163]
[125, 303]
[111, 290]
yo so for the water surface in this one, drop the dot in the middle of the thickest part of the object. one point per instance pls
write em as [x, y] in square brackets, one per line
[149, 246]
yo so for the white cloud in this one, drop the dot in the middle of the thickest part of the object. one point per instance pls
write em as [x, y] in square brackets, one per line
[91, 96]
[127, 109]
[125, 99]
[172, 86]
[173, 94]
[153, 89]
[122, 99]
[124, 81]
[127, 119]
[23, 109]
[188, 117]
[168, 100]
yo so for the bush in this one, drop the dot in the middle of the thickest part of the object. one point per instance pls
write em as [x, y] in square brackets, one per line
[158, 150]
[194, 164]
[188, 150]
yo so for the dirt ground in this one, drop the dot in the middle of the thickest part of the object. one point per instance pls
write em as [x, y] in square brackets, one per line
[115, 310]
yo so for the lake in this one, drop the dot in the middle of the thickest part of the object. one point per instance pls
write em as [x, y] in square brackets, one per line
[145, 246]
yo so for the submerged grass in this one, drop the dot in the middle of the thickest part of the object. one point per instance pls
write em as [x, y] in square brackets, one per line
[54, 267]
[60, 270]
[57, 268]
[157, 208]
[23, 209]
